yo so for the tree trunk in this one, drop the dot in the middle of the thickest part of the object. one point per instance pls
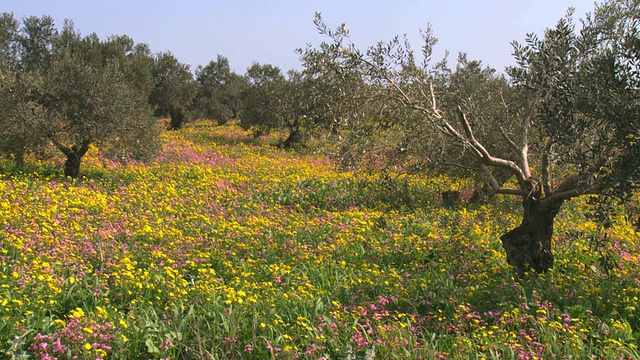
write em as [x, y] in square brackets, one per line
[74, 157]
[177, 119]
[450, 198]
[295, 135]
[294, 139]
[528, 246]
[18, 158]
[72, 166]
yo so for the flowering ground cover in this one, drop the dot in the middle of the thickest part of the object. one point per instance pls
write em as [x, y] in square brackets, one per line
[224, 247]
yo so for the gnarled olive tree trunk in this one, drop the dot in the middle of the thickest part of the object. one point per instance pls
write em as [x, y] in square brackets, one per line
[528, 246]
[74, 156]
[72, 165]
[177, 119]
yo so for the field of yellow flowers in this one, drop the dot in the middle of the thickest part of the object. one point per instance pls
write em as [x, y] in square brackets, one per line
[228, 248]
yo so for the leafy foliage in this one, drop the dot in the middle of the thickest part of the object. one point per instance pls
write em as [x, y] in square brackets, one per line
[219, 91]
[586, 104]
[263, 99]
[173, 90]
[72, 91]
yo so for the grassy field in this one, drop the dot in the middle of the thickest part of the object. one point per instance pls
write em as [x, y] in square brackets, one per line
[228, 248]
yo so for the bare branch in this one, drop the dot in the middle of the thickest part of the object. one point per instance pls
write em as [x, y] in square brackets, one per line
[407, 99]
[526, 125]
[509, 141]
[568, 194]
[436, 111]
[526, 169]
[469, 132]
[522, 150]
[492, 179]
[497, 187]
[486, 158]
[546, 167]
[523, 153]
[466, 167]
[448, 129]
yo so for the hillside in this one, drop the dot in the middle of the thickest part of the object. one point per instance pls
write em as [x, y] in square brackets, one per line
[226, 247]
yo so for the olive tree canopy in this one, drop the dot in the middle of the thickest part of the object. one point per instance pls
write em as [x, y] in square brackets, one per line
[219, 90]
[173, 90]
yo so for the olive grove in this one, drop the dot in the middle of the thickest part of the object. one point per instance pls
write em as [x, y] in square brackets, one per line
[565, 123]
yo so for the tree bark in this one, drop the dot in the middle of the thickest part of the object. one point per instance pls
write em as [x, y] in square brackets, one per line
[295, 135]
[528, 246]
[18, 158]
[294, 138]
[450, 198]
[177, 119]
[72, 166]
[74, 157]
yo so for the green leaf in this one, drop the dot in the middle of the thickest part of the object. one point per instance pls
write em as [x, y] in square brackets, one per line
[151, 348]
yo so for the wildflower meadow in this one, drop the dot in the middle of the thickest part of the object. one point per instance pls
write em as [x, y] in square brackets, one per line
[227, 247]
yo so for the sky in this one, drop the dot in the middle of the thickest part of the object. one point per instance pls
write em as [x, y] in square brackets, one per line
[269, 31]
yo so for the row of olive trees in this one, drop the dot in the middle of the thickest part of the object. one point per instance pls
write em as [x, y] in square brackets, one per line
[61, 89]
[566, 123]
[266, 99]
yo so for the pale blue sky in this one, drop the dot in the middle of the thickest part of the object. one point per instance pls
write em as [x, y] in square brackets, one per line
[269, 31]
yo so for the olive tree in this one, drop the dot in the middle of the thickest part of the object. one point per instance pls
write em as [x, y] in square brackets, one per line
[219, 89]
[264, 103]
[302, 103]
[568, 127]
[89, 99]
[25, 51]
[72, 91]
[325, 95]
[173, 90]
[272, 101]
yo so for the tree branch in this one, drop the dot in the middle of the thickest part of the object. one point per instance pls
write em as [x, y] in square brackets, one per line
[523, 150]
[436, 111]
[486, 158]
[577, 185]
[84, 147]
[509, 141]
[568, 194]
[509, 191]
[462, 166]
[497, 187]
[526, 124]
[65, 149]
[546, 167]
